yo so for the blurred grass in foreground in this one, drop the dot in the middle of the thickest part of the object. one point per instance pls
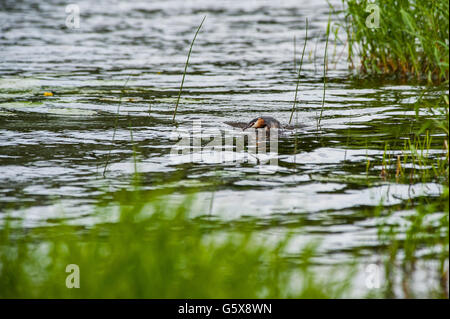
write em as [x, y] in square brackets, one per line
[155, 251]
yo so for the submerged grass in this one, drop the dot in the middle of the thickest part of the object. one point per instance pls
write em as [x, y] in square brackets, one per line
[116, 120]
[411, 39]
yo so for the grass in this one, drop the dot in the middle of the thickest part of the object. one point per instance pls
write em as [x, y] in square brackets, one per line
[410, 42]
[415, 158]
[299, 70]
[185, 69]
[414, 163]
[421, 237]
[154, 250]
[423, 234]
[325, 66]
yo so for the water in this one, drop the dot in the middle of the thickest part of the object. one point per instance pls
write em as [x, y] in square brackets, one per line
[53, 149]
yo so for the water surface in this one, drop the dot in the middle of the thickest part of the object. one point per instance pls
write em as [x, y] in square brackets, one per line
[121, 72]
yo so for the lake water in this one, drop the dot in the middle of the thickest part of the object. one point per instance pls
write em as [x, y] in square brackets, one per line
[120, 71]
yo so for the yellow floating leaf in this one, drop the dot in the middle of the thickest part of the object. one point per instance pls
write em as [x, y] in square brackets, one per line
[48, 94]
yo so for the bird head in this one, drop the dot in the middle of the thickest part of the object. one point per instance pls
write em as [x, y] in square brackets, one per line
[255, 123]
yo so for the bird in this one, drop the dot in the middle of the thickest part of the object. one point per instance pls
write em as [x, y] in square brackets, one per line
[266, 122]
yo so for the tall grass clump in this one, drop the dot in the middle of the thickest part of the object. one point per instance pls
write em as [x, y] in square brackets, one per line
[410, 41]
[154, 250]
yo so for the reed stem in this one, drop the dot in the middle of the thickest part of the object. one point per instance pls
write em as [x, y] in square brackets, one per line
[325, 62]
[185, 69]
[299, 73]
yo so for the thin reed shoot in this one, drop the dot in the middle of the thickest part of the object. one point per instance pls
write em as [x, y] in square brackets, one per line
[299, 71]
[185, 69]
[325, 66]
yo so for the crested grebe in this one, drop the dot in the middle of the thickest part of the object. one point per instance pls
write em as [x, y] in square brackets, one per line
[267, 122]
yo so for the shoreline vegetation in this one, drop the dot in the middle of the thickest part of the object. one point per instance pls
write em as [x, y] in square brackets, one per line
[409, 40]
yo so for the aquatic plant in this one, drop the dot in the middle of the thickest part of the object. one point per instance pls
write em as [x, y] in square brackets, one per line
[299, 70]
[423, 234]
[325, 66]
[116, 120]
[412, 159]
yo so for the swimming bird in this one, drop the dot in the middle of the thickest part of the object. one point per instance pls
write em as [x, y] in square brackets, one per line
[266, 122]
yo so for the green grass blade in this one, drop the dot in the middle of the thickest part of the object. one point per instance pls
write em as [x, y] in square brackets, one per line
[185, 69]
